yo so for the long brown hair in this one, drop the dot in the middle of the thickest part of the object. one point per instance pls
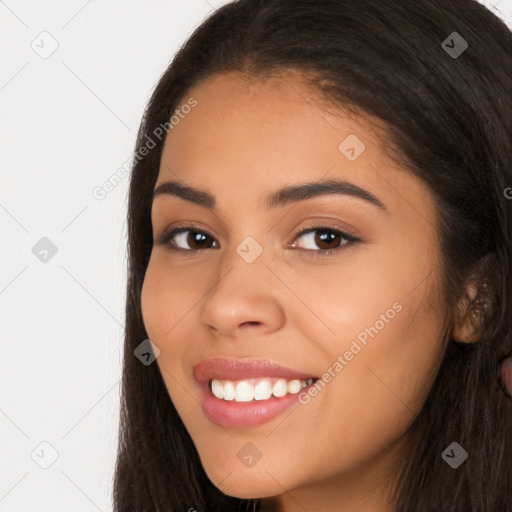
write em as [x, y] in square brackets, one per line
[450, 121]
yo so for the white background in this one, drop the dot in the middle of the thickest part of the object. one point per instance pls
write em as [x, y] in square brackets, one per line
[68, 122]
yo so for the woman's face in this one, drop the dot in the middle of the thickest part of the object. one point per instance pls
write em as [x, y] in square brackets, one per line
[365, 319]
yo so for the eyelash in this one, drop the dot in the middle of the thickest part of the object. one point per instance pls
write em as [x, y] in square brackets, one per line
[170, 233]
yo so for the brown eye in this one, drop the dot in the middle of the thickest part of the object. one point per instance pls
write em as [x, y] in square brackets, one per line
[197, 240]
[320, 240]
[325, 238]
[190, 236]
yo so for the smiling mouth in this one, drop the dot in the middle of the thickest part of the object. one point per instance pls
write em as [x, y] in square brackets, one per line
[257, 389]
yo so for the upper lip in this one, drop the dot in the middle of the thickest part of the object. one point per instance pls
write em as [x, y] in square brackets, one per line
[239, 369]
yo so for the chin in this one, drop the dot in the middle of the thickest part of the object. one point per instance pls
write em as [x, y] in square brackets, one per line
[247, 485]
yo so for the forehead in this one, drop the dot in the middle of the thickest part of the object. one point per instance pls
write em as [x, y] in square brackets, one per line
[257, 135]
[247, 120]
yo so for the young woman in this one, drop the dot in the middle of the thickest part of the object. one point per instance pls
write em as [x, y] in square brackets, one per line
[320, 238]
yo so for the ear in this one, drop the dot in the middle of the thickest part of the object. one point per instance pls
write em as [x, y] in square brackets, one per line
[476, 308]
[466, 325]
[506, 375]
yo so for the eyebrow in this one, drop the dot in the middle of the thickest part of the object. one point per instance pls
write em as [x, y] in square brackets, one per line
[277, 199]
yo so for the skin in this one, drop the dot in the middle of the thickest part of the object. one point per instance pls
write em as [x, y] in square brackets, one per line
[243, 141]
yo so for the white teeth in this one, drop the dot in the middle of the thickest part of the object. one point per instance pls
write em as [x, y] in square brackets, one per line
[217, 388]
[229, 391]
[263, 390]
[256, 389]
[294, 386]
[279, 388]
[244, 392]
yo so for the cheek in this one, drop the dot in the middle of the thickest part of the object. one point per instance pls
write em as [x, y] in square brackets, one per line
[400, 350]
[170, 297]
[387, 326]
[166, 297]
[373, 397]
[152, 302]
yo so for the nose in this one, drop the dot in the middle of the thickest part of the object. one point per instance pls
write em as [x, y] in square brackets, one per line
[245, 298]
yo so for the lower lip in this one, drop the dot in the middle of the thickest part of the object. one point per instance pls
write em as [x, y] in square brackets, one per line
[231, 414]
